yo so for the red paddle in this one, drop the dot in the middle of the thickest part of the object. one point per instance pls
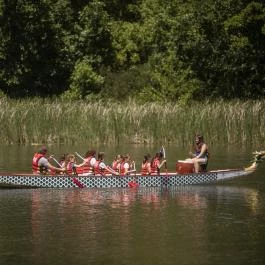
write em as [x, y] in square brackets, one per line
[133, 184]
[77, 183]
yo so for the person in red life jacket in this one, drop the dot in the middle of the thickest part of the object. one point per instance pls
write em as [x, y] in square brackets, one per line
[132, 167]
[41, 165]
[157, 163]
[70, 163]
[100, 168]
[125, 165]
[146, 165]
[116, 163]
[200, 155]
[86, 168]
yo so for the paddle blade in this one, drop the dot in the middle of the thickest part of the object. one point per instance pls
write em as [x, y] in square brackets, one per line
[78, 183]
[163, 151]
[133, 184]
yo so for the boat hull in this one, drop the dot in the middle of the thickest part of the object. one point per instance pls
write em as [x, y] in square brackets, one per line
[163, 180]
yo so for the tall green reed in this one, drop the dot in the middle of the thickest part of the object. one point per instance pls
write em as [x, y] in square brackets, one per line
[53, 121]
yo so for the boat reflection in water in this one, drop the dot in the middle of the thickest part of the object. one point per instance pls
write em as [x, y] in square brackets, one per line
[99, 217]
[188, 196]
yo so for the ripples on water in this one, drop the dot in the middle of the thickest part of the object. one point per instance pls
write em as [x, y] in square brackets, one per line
[183, 225]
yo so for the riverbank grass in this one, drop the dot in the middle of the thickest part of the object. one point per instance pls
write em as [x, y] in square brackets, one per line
[38, 121]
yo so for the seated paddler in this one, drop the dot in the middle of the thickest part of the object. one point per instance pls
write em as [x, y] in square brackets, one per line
[127, 166]
[116, 163]
[146, 165]
[100, 168]
[157, 162]
[41, 164]
[200, 154]
[70, 164]
[88, 163]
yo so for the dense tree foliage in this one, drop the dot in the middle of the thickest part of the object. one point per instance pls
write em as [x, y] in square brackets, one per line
[151, 50]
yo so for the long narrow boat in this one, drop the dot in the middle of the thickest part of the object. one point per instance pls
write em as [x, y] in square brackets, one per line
[134, 180]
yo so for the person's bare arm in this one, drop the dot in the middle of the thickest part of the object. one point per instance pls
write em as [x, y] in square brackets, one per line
[110, 170]
[162, 163]
[56, 168]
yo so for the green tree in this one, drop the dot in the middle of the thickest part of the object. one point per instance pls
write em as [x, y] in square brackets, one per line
[148, 49]
[174, 35]
[93, 36]
[224, 63]
[32, 49]
[246, 34]
[84, 82]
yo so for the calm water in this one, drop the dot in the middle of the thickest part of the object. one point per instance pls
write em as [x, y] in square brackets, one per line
[206, 224]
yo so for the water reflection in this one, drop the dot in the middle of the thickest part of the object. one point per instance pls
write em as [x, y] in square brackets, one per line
[90, 208]
[188, 196]
[105, 226]
[212, 224]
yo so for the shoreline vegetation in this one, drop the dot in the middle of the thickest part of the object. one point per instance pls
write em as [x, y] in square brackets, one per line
[47, 121]
[147, 50]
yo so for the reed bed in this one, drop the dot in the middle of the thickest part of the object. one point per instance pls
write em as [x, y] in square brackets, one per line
[39, 121]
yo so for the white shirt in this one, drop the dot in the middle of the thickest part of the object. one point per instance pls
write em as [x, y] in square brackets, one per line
[92, 161]
[43, 162]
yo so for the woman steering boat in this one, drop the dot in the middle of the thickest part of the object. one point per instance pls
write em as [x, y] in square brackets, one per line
[200, 155]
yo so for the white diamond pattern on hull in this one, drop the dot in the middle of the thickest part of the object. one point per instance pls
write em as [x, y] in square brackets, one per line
[108, 181]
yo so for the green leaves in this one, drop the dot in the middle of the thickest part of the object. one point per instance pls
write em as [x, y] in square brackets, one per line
[31, 48]
[152, 50]
[84, 81]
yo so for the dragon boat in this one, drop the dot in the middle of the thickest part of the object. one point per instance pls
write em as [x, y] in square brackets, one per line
[183, 176]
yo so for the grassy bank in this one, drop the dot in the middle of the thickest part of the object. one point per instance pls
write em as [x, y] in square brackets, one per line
[45, 121]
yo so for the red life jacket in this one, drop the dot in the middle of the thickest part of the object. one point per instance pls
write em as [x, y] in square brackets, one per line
[35, 167]
[70, 168]
[144, 170]
[122, 168]
[97, 169]
[154, 166]
[79, 170]
[87, 168]
[115, 165]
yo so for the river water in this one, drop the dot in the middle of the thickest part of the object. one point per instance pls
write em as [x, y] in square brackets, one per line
[220, 223]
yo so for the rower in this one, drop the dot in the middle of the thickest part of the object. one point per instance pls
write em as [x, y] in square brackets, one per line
[146, 165]
[125, 165]
[70, 163]
[157, 163]
[116, 163]
[100, 168]
[41, 165]
[87, 166]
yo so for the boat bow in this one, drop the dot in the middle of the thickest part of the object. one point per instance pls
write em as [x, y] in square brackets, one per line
[259, 156]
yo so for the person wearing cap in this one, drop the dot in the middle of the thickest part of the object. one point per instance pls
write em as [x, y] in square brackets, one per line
[41, 165]
[201, 154]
